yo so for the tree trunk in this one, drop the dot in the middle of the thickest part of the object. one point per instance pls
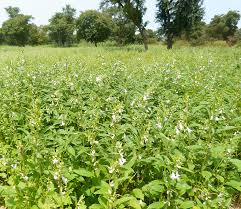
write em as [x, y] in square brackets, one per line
[95, 44]
[169, 41]
[144, 38]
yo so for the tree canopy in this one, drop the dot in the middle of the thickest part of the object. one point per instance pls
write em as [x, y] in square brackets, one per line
[16, 30]
[62, 26]
[93, 26]
[134, 10]
[224, 26]
[177, 16]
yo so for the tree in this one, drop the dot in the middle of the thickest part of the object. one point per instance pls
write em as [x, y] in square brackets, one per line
[177, 16]
[1, 36]
[62, 26]
[134, 10]
[151, 36]
[123, 31]
[93, 26]
[12, 11]
[223, 27]
[16, 29]
[38, 35]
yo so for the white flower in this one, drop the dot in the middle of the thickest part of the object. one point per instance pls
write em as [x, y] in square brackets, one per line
[146, 97]
[181, 127]
[65, 180]
[98, 79]
[122, 160]
[159, 125]
[62, 123]
[114, 118]
[112, 183]
[189, 130]
[25, 178]
[92, 153]
[145, 139]
[14, 166]
[111, 169]
[56, 176]
[175, 176]
[177, 131]
[55, 161]
[132, 103]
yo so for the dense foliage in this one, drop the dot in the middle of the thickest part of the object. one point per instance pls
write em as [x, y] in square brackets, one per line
[123, 22]
[223, 27]
[123, 31]
[134, 10]
[93, 26]
[90, 128]
[177, 16]
[62, 26]
[16, 30]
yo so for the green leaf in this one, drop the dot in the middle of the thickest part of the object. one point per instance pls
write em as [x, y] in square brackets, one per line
[84, 172]
[237, 163]
[154, 188]
[123, 200]
[187, 204]
[138, 194]
[130, 163]
[96, 206]
[235, 184]
[183, 187]
[135, 204]
[156, 205]
[206, 174]
[103, 201]
[71, 150]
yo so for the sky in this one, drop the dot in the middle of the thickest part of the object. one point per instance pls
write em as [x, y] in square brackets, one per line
[42, 10]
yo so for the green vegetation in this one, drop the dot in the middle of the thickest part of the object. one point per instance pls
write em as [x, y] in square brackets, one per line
[93, 26]
[62, 26]
[113, 128]
[123, 22]
[17, 28]
[177, 17]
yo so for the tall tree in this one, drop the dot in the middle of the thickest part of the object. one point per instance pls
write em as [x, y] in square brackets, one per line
[177, 16]
[224, 26]
[62, 26]
[93, 26]
[134, 10]
[123, 31]
[12, 11]
[16, 29]
[38, 35]
[1, 36]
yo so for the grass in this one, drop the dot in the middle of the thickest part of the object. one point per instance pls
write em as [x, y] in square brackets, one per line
[105, 127]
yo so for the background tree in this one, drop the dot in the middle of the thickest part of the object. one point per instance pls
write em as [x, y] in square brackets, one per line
[123, 31]
[134, 10]
[1, 36]
[223, 27]
[62, 26]
[12, 11]
[177, 16]
[38, 35]
[16, 30]
[151, 36]
[93, 26]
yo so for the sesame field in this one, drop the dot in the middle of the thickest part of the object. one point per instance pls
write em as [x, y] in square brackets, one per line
[118, 128]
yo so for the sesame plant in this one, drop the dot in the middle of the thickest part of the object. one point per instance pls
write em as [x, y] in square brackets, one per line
[114, 128]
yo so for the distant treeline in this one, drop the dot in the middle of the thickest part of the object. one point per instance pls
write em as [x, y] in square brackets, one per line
[121, 21]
